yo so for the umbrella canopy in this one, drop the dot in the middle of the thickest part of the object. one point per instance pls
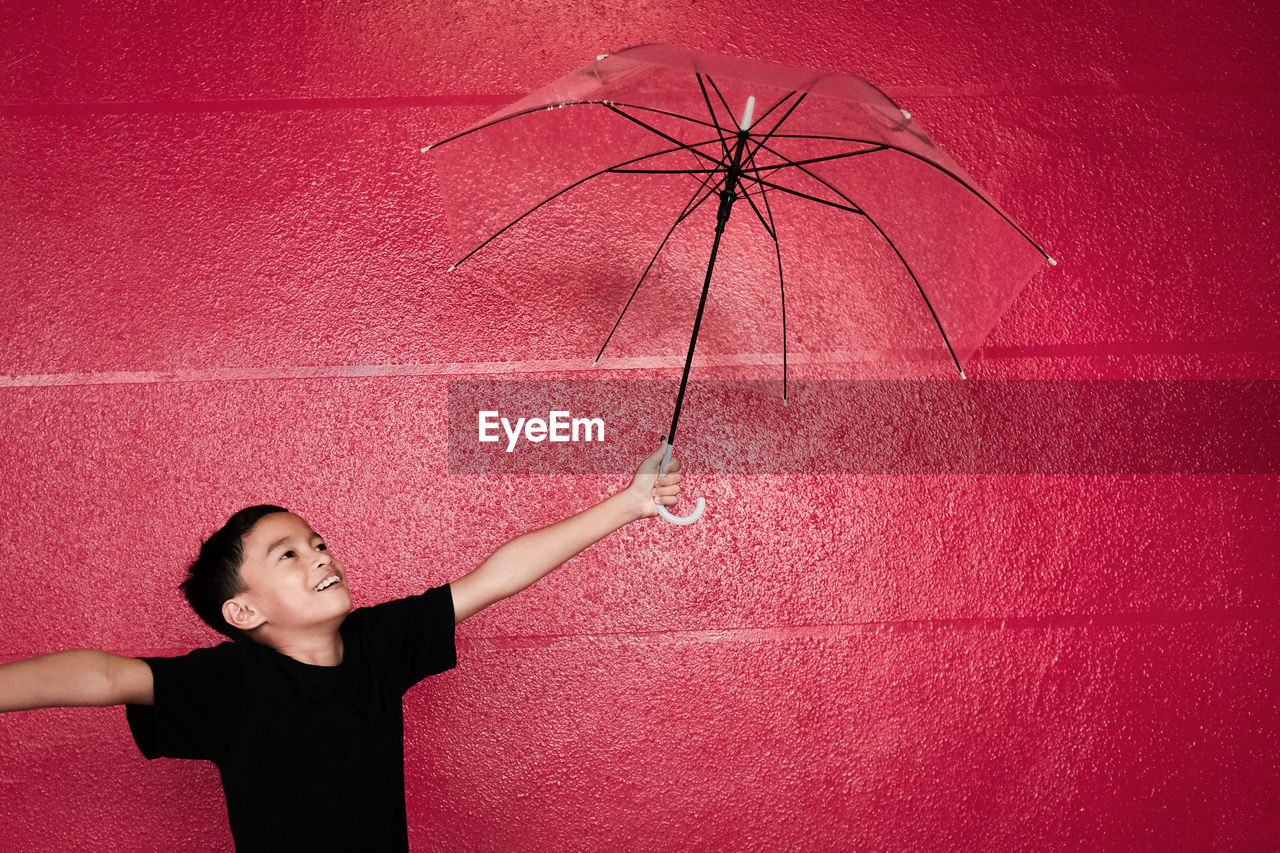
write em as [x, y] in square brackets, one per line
[655, 146]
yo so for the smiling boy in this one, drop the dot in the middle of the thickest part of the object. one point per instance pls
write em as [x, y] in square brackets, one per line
[301, 710]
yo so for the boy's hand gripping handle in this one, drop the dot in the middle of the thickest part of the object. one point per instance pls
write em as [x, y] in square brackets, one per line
[668, 514]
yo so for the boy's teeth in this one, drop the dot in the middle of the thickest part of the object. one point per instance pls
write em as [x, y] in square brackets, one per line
[327, 582]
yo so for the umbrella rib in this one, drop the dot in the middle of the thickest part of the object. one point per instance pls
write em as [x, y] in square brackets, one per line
[787, 164]
[771, 227]
[746, 193]
[667, 113]
[941, 169]
[759, 119]
[760, 141]
[689, 208]
[656, 132]
[800, 165]
[538, 109]
[907, 266]
[937, 322]
[927, 303]
[667, 171]
[790, 191]
[727, 108]
[724, 146]
[571, 186]
[759, 216]
[764, 115]
[773, 130]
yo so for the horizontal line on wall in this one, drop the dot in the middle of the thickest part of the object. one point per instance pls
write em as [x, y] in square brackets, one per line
[346, 371]
[256, 105]
[1048, 90]
[505, 368]
[788, 633]
[1244, 88]
[794, 633]
[1130, 348]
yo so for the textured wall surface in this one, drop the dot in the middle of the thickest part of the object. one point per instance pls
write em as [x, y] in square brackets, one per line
[222, 264]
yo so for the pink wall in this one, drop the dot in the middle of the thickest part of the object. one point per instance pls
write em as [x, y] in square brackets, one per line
[223, 274]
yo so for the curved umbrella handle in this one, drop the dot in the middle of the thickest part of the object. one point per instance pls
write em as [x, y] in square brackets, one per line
[671, 516]
[683, 519]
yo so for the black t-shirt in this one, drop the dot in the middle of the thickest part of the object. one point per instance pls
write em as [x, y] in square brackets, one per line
[311, 757]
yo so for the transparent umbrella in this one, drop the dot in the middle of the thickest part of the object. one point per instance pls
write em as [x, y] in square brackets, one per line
[884, 230]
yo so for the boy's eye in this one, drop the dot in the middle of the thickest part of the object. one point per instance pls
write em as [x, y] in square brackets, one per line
[286, 554]
[322, 547]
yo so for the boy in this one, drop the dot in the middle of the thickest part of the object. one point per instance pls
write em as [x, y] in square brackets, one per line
[302, 712]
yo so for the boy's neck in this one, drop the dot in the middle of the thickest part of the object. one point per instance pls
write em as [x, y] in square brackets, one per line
[322, 648]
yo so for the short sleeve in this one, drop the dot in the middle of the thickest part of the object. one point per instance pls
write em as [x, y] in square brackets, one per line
[197, 704]
[414, 635]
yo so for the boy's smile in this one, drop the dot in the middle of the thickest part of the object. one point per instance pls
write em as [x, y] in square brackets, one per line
[297, 591]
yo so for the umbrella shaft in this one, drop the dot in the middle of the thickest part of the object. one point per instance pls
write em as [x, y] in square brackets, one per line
[727, 196]
[697, 323]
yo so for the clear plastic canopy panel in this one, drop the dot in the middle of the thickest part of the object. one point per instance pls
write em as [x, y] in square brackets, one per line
[878, 231]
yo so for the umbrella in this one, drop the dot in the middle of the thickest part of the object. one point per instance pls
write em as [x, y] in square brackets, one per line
[826, 165]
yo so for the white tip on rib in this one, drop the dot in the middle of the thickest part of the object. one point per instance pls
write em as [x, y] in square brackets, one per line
[1052, 262]
[452, 268]
[426, 149]
[600, 56]
[906, 114]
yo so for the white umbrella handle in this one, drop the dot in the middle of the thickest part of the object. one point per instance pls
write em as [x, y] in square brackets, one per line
[671, 516]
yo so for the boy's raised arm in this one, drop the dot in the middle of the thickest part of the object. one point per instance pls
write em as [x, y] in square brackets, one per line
[75, 677]
[527, 558]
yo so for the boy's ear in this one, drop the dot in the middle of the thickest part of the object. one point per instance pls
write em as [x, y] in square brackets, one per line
[240, 614]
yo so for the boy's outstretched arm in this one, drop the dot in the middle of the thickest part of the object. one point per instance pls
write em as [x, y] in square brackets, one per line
[75, 677]
[527, 558]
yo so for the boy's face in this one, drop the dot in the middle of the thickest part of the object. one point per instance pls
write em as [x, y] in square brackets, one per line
[294, 581]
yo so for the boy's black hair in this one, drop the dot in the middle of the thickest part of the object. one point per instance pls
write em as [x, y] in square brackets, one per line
[214, 577]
